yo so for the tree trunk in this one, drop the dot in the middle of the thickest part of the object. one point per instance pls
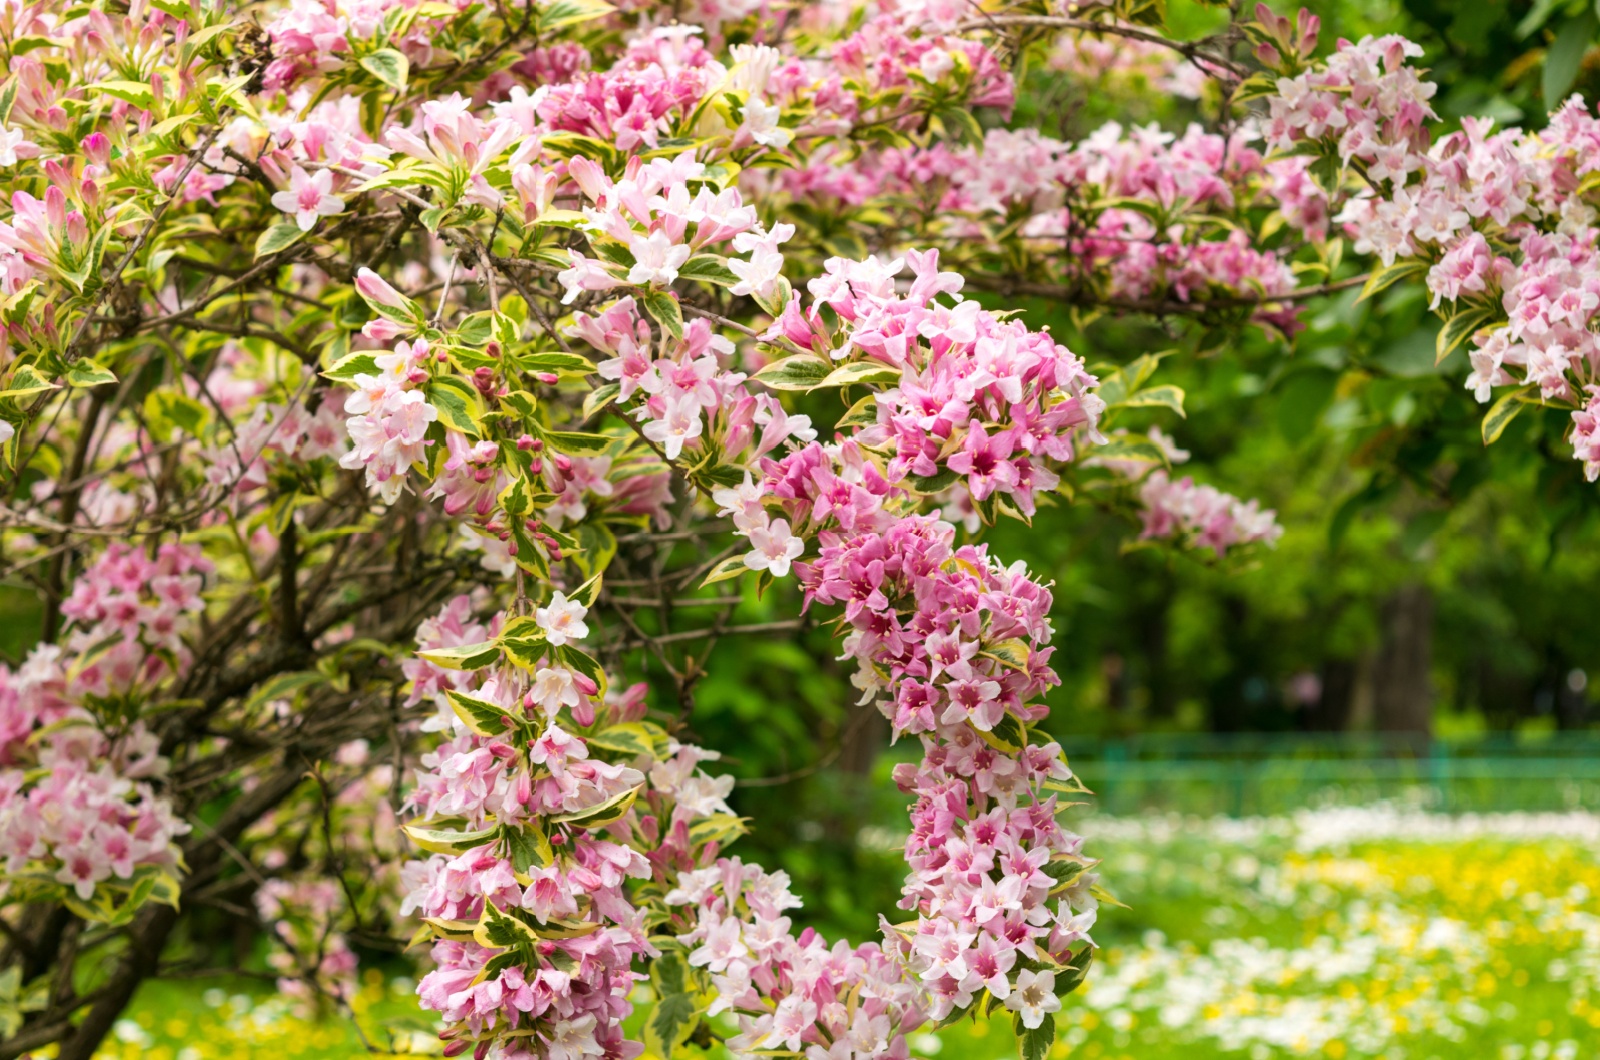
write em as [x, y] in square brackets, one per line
[1402, 672]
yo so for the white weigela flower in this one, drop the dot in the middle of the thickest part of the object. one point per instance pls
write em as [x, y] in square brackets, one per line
[1034, 995]
[562, 620]
[656, 258]
[761, 122]
[309, 197]
[775, 547]
[15, 146]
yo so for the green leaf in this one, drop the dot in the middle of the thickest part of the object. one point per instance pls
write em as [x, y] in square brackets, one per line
[564, 13]
[284, 686]
[351, 365]
[1011, 653]
[525, 651]
[25, 382]
[599, 547]
[557, 362]
[581, 661]
[1163, 396]
[863, 413]
[1078, 967]
[1008, 735]
[587, 593]
[465, 657]
[577, 443]
[800, 372]
[861, 372]
[1565, 57]
[664, 309]
[137, 93]
[1458, 329]
[1390, 275]
[479, 715]
[457, 404]
[599, 398]
[1127, 448]
[630, 738]
[613, 809]
[731, 567]
[1502, 412]
[280, 236]
[460, 930]
[388, 66]
[719, 828]
[1034, 1043]
[527, 846]
[475, 329]
[1535, 18]
[674, 1016]
[443, 841]
[497, 931]
[87, 373]
[710, 268]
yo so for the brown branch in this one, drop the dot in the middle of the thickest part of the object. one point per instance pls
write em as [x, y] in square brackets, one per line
[1197, 55]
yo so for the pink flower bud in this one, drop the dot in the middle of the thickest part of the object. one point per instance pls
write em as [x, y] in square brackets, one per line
[525, 443]
[383, 330]
[97, 148]
[590, 178]
[375, 288]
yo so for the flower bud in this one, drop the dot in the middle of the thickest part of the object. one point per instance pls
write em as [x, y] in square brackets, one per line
[375, 288]
[382, 330]
[97, 148]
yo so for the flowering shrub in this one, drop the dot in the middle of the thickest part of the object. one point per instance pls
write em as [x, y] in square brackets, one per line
[354, 361]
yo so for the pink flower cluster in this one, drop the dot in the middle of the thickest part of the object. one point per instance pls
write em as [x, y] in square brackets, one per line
[891, 53]
[1055, 191]
[650, 212]
[956, 647]
[272, 433]
[310, 36]
[638, 102]
[84, 822]
[389, 417]
[792, 993]
[574, 995]
[1499, 218]
[1124, 65]
[147, 602]
[979, 398]
[1203, 515]
[76, 800]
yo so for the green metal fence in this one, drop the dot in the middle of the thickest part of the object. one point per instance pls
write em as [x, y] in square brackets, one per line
[1266, 774]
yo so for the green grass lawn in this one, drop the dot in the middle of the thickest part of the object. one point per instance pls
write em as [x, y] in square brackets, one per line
[1341, 934]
